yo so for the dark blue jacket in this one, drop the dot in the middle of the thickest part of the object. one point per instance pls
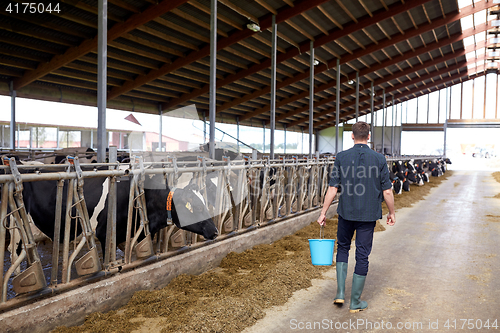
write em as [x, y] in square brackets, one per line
[361, 175]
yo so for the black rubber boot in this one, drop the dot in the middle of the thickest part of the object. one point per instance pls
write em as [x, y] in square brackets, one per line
[358, 283]
[341, 268]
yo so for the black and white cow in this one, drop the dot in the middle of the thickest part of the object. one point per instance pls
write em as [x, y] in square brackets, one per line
[411, 173]
[397, 184]
[40, 201]
[399, 169]
[421, 167]
[189, 211]
[442, 164]
[435, 168]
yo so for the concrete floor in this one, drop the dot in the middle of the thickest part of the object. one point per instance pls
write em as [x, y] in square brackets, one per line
[440, 264]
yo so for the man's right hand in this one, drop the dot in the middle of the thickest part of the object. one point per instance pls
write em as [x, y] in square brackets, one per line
[391, 219]
[322, 219]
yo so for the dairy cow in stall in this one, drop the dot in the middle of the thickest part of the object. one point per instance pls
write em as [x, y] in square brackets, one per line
[421, 167]
[400, 171]
[435, 169]
[411, 173]
[188, 211]
[397, 184]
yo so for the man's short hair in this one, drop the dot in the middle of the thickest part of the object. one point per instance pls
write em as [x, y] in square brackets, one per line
[361, 130]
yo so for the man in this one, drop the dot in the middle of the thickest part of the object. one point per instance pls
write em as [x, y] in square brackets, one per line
[362, 176]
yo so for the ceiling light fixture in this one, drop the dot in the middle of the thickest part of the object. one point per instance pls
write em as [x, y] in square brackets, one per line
[254, 27]
[351, 81]
[316, 62]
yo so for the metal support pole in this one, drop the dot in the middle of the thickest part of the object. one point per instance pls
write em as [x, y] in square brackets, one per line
[31, 137]
[160, 133]
[204, 127]
[284, 144]
[416, 114]
[311, 98]
[238, 133]
[316, 142]
[272, 124]
[428, 106]
[213, 70]
[337, 109]
[57, 134]
[372, 108]
[12, 116]
[449, 109]
[484, 101]
[439, 103]
[357, 96]
[445, 126]
[398, 139]
[392, 128]
[461, 98]
[383, 122]
[102, 56]
[302, 141]
[406, 118]
[263, 137]
[496, 103]
[473, 93]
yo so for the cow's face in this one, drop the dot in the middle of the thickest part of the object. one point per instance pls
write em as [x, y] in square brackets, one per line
[412, 177]
[396, 185]
[411, 165]
[193, 213]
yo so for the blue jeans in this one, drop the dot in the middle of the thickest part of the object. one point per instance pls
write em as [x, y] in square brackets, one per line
[364, 240]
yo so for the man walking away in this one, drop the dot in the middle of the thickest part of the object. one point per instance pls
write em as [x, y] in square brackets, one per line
[361, 176]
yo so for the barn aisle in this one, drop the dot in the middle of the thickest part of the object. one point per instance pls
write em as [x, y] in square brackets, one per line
[436, 270]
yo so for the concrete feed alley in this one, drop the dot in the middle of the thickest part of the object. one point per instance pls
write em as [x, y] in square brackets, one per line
[434, 271]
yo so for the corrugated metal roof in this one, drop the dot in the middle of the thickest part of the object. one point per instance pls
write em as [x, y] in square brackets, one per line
[162, 61]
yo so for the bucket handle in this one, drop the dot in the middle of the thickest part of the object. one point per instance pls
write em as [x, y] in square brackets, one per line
[321, 232]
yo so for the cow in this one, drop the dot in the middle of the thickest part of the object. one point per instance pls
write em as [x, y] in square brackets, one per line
[413, 176]
[420, 168]
[435, 168]
[442, 164]
[188, 210]
[40, 202]
[399, 169]
[397, 184]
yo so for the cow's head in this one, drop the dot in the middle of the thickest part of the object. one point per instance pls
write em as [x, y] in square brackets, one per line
[397, 186]
[192, 213]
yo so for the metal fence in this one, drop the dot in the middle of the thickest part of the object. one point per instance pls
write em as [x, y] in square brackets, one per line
[248, 194]
[240, 196]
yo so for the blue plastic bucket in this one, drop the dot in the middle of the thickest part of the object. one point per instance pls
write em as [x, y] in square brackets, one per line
[321, 251]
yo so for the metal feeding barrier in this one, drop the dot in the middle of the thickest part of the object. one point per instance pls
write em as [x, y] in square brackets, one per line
[240, 195]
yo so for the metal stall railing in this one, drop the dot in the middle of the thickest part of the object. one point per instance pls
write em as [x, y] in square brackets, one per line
[240, 196]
